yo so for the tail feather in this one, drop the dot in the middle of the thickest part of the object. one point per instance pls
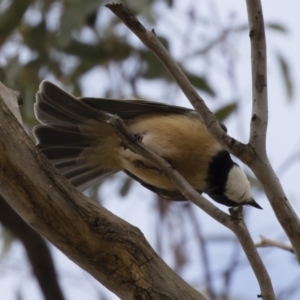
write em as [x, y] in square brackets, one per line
[90, 178]
[67, 104]
[61, 153]
[61, 136]
[61, 139]
[77, 170]
[66, 165]
[49, 115]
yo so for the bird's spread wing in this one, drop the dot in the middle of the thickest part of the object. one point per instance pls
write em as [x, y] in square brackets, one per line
[61, 139]
[127, 109]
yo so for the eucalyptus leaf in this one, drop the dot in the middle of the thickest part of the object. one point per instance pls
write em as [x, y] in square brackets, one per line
[277, 27]
[153, 68]
[111, 48]
[11, 17]
[127, 183]
[200, 82]
[225, 111]
[35, 37]
[7, 239]
[74, 17]
[286, 76]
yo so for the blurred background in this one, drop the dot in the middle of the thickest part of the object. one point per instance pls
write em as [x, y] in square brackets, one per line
[84, 48]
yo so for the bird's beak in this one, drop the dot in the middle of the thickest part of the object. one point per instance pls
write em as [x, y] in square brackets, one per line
[253, 203]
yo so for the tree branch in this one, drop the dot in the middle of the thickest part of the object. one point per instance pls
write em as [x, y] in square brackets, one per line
[265, 242]
[259, 121]
[37, 250]
[261, 165]
[204, 254]
[150, 40]
[235, 223]
[110, 249]
[257, 161]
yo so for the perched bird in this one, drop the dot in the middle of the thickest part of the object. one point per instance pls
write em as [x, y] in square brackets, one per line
[76, 138]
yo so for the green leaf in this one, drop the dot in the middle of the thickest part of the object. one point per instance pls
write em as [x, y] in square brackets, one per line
[126, 186]
[286, 76]
[35, 37]
[110, 48]
[225, 111]
[155, 70]
[74, 17]
[153, 67]
[142, 9]
[93, 193]
[11, 17]
[164, 41]
[170, 3]
[200, 82]
[12, 71]
[277, 27]
[7, 240]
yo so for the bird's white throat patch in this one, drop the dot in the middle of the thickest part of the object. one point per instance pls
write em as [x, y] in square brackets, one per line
[237, 186]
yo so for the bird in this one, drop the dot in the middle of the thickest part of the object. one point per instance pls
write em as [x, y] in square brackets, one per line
[75, 136]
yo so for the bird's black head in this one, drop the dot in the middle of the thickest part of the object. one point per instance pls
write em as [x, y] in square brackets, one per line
[227, 183]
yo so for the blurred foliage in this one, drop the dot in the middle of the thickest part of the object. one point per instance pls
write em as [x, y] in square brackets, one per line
[286, 76]
[7, 239]
[225, 111]
[64, 40]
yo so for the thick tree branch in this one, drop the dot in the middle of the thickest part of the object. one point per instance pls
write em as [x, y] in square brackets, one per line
[257, 161]
[259, 121]
[110, 249]
[261, 165]
[37, 251]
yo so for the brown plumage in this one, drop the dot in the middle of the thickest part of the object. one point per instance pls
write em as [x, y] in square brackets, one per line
[79, 142]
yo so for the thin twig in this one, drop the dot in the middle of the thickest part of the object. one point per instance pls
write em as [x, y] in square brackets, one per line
[150, 40]
[255, 158]
[234, 223]
[229, 272]
[204, 253]
[241, 231]
[266, 242]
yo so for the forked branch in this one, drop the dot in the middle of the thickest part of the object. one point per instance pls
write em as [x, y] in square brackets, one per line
[235, 224]
[254, 153]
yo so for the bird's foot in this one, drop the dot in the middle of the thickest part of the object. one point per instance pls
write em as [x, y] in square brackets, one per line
[236, 212]
[136, 138]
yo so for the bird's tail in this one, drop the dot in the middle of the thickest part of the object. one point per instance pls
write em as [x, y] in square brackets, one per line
[72, 136]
